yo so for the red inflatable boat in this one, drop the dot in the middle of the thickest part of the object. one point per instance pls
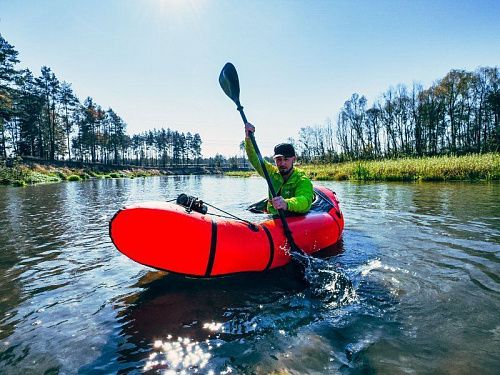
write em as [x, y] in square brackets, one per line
[166, 236]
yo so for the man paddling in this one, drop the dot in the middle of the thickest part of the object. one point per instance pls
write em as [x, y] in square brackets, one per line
[294, 190]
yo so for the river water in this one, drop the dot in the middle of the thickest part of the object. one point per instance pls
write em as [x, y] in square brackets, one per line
[413, 287]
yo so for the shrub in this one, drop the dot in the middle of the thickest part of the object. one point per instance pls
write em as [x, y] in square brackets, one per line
[361, 172]
[74, 177]
[40, 178]
[61, 175]
[19, 183]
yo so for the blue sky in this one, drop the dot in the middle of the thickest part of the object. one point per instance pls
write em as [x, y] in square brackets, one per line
[156, 62]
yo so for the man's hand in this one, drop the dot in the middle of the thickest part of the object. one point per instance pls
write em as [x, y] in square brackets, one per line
[279, 203]
[249, 128]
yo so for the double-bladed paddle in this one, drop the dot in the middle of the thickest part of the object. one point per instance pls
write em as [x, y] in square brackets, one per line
[229, 82]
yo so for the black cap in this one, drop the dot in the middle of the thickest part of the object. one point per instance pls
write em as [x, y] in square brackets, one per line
[284, 149]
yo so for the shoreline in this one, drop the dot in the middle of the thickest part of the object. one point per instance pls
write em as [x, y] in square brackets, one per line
[483, 167]
[34, 173]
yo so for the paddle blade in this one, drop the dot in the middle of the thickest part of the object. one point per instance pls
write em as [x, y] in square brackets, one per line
[228, 80]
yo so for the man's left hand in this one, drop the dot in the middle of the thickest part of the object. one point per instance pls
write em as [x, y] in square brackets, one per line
[279, 203]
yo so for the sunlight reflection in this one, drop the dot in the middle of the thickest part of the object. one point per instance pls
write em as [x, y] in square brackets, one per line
[214, 327]
[178, 356]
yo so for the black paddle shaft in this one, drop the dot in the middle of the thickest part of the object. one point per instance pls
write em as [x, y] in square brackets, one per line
[286, 228]
[229, 82]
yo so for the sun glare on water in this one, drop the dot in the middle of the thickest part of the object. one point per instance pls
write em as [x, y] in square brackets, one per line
[181, 356]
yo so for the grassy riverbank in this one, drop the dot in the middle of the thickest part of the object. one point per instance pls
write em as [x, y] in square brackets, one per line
[439, 168]
[23, 175]
[442, 168]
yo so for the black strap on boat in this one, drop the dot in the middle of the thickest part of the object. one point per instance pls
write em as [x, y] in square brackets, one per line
[271, 247]
[213, 247]
[252, 225]
[229, 215]
[336, 222]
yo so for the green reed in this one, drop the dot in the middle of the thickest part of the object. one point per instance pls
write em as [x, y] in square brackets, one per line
[437, 168]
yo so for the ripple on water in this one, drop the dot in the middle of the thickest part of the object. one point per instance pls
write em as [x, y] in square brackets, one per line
[414, 289]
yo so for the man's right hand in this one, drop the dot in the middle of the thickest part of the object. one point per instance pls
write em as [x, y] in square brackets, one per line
[249, 128]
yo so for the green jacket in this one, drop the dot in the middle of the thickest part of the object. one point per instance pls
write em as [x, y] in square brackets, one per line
[297, 190]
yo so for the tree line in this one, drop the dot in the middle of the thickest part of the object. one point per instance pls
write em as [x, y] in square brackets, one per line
[41, 117]
[458, 114]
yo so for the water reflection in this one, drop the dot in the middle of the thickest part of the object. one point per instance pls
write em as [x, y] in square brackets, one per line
[412, 287]
[178, 356]
[184, 323]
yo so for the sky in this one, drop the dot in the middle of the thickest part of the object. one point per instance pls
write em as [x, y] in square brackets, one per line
[156, 62]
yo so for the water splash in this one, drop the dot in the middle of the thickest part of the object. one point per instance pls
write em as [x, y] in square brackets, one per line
[329, 283]
[326, 281]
